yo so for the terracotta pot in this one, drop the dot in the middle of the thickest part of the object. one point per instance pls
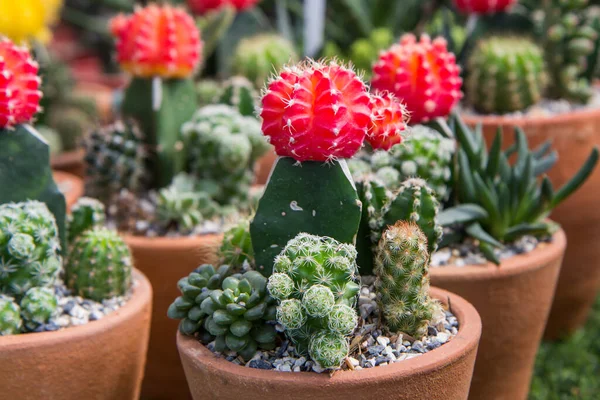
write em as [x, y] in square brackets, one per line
[513, 300]
[573, 135]
[69, 161]
[71, 186]
[102, 360]
[444, 373]
[264, 166]
[102, 94]
[165, 261]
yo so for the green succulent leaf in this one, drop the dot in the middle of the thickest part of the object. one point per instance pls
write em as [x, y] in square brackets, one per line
[461, 214]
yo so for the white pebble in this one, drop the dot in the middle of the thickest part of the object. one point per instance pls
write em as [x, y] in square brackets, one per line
[382, 340]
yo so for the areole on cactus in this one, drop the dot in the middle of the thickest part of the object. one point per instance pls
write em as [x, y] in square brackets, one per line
[423, 74]
[483, 6]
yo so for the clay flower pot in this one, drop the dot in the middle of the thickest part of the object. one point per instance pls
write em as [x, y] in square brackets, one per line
[71, 186]
[100, 360]
[164, 261]
[69, 161]
[573, 135]
[264, 166]
[444, 373]
[513, 300]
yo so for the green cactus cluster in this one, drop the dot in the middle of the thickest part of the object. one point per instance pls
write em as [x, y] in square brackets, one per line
[258, 57]
[223, 146]
[10, 316]
[99, 265]
[237, 92]
[235, 311]
[315, 284]
[236, 249]
[87, 213]
[115, 157]
[506, 74]
[402, 283]
[38, 306]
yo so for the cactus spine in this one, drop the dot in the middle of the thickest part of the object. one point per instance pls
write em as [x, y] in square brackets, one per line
[402, 283]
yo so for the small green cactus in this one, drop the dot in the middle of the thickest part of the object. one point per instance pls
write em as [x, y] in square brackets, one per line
[183, 205]
[29, 247]
[315, 282]
[10, 316]
[223, 146]
[236, 316]
[506, 74]
[115, 160]
[99, 265]
[37, 307]
[236, 249]
[208, 91]
[240, 93]
[402, 283]
[86, 214]
[258, 57]
[71, 123]
[364, 52]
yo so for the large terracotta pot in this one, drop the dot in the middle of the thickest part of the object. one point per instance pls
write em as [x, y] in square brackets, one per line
[513, 300]
[444, 373]
[573, 135]
[102, 360]
[69, 161]
[70, 185]
[165, 261]
[264, 166]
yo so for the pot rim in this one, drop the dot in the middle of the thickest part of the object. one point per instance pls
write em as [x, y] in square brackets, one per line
[169, 242]
[466, 339]
[142, 295]
[516, 265]
[503, 120]
[68, 157]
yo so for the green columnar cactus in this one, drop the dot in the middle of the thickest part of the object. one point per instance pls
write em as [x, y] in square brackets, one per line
[223, 146]
[25, 173]
[115, 160]
[37, 307]
[402, 283]
[258, 57]
[506, 74]
[416, 202]
[161, 106]
[86, 214]
[99, 265]
[236, 248]
[315, 282]
[291, 205]
[10, 316]
[29, 247]
[240, 93]
[236, 316]
[182, 204]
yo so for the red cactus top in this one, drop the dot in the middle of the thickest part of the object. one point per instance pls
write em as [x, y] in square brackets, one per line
[389, 118]
[19, 85]
[315, 111]
[203, 6]
[483, 6]
[157, 41]
[422, 74]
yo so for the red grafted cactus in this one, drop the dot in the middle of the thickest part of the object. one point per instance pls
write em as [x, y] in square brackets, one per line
[483, 6]
[422, 74]
[19, 85]
[316, 112]
[389, 118]
[203, 6]
[157, 41]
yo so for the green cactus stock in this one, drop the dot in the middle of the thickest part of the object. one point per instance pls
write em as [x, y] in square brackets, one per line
[87, 213]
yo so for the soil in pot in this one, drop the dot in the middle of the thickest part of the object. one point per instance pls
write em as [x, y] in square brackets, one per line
[514, 301]
[573, 135]
[70, 185]
[102, 359]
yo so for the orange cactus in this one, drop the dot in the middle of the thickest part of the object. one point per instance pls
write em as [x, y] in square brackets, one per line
[422, 74]
[19, 85]
[157, 41]
[389, 121]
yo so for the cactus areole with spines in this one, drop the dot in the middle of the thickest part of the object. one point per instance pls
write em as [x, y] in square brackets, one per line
[483, 6]
[316, 112]
[157, 41]
[423, 74]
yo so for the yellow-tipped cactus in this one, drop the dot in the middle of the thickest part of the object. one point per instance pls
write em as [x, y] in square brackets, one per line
[27, 20]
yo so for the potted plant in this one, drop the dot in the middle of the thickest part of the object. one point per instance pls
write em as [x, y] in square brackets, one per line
[293, 305]
[172, 175]
[541, 79]
[56, 298]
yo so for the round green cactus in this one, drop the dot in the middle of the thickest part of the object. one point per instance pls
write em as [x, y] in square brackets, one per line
[10, 316]
[506, 74]
[208, 92]
[401, 267]
[315, 284]
[240, 93]
[37, 307]
[99, 265]
[29, 247]
[258, 57]
[71, 123]
[236, 248]
[115, 159]
[87, 213]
